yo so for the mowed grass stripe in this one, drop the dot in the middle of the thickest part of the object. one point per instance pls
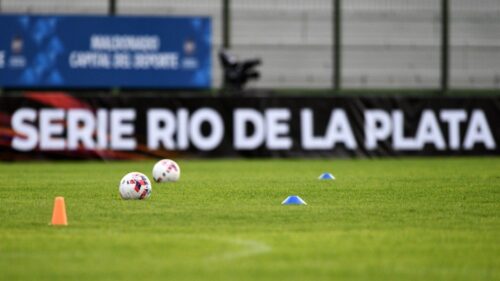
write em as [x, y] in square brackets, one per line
[384, 219]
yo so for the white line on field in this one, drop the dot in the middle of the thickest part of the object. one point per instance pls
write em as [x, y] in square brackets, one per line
[248, 248]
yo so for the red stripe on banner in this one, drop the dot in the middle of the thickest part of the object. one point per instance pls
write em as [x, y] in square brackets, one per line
[8, 132]
[4, 143]
[4, 118]
[57, 99]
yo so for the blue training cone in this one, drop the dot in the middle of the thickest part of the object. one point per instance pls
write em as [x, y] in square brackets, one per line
[326, 176]
[293, 200]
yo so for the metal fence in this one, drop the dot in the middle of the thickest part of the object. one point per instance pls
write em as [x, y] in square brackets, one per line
[335, 44]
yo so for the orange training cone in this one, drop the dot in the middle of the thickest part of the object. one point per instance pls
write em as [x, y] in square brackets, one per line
[59, 213]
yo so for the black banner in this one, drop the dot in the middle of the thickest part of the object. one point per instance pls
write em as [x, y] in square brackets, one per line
[58, 125]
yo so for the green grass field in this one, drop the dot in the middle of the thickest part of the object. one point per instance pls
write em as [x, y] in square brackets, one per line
[395, 219]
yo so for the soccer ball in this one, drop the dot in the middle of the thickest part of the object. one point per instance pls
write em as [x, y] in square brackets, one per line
[166, 170]
[135, 185]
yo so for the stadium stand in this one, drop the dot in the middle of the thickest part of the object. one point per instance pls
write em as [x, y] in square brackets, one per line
[386, 43]
[475, 44]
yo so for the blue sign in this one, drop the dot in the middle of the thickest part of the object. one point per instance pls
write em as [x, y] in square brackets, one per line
[104, 52]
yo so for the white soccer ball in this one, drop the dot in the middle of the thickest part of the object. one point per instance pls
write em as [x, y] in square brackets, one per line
[166, 170]
[135, 185]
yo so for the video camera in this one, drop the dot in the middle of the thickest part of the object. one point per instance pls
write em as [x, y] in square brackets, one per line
[237, 73]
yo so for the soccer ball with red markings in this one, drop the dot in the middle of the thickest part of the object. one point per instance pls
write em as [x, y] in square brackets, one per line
[166, 170]
[135, 185]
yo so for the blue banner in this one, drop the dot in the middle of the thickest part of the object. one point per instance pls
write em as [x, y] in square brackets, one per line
[104, 52]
